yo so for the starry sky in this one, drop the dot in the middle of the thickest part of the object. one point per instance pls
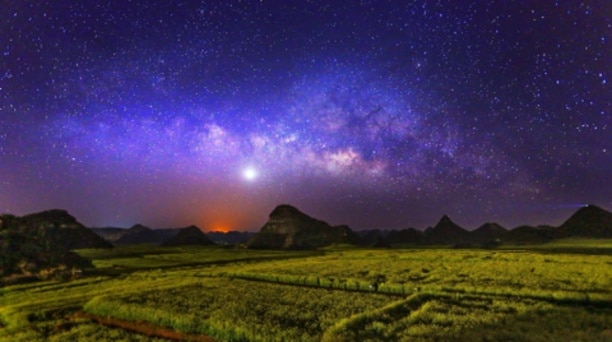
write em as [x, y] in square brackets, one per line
[376, 114]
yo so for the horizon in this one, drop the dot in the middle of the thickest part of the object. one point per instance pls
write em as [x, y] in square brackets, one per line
[255, 230]
[369, 115]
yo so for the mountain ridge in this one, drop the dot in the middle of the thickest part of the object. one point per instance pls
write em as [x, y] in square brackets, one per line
[289, 228]
[189, 236]
[40, 244]
[282, 231]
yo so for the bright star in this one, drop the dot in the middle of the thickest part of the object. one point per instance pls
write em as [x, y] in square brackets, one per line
[249, 173]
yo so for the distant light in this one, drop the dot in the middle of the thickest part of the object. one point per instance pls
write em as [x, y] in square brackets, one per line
[220, 229]
[249, 173]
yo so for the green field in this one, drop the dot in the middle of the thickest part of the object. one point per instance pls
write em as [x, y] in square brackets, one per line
[559, 291]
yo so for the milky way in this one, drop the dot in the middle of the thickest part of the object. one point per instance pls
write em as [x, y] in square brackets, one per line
[377, 114]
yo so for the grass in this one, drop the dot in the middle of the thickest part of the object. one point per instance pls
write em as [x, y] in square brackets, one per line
[500, 272]
[267, 312]
[146, 257]
[570, 245]
[338, 293]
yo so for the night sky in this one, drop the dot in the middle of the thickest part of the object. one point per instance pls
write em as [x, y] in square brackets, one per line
[375, 114]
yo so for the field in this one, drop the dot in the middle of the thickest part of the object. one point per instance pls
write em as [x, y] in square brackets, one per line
[561, 291]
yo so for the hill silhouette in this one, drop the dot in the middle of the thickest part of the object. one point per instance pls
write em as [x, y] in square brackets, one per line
[446, 232]
[139, 234]
[191, 235]
[410, 236]
[589, 221]
[373, 238]
[59, 228]
[40, 244]
[489, 234]
[43, 240]
[289, 228]
[110, 234]
[528, 234]
[229, 238]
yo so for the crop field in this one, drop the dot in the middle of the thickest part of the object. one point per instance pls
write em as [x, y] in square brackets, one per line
[472, 271]
[148, 256]
[335, 294]
[269, 312]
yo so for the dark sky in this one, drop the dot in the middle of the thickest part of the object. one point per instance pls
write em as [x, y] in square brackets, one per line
[376, 114]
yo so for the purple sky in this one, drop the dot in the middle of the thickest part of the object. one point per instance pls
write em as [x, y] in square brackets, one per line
[376, 114]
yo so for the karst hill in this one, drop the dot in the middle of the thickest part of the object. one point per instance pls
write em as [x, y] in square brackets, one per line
[187, 236]
[289, 228]
[40, 244]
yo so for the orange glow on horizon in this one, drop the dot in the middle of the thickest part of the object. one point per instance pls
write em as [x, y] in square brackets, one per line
[220, 228]
[223, 217]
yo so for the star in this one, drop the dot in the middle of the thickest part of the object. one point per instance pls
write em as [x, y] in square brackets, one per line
[249, 173]
[373, 114]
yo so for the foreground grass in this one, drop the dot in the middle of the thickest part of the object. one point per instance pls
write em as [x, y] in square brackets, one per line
[240, 310]
[335, 294]
[474, 318]
[39, 312]
[471, 271]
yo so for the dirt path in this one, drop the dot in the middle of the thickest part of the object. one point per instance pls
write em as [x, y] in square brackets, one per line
[144, 328]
